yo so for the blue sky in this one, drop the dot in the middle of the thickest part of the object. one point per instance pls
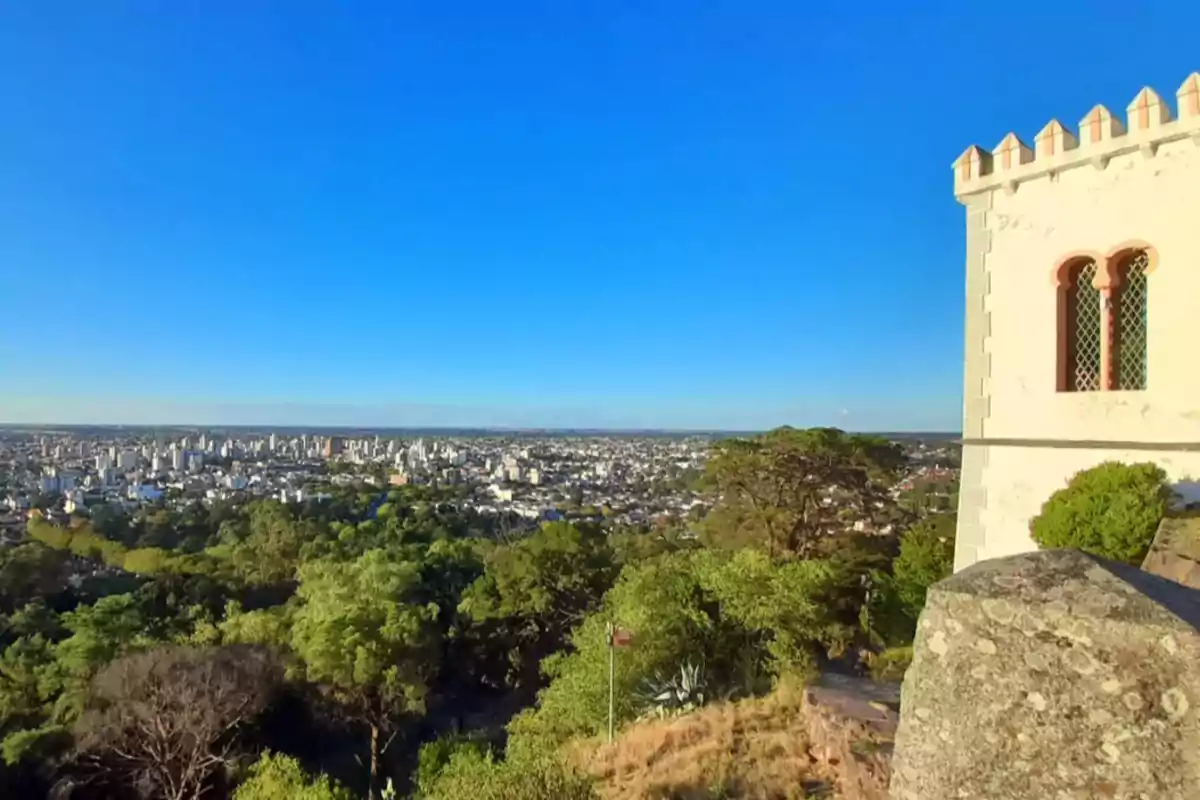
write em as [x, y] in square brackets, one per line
[650, 213]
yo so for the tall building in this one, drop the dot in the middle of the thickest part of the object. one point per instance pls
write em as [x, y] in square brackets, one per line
[333, 446]
[1080, 312]
[127, 459]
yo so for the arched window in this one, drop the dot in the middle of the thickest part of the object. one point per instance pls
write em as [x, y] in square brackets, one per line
[1129, 333]
[1081, 329]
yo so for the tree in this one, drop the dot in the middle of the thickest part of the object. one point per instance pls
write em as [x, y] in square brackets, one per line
[1111, 510]
[273, 545]
[926, 557]
[364, 644]
[279, 777]
[538, 588]
[165, 720]
[786, 490]
[29, 571]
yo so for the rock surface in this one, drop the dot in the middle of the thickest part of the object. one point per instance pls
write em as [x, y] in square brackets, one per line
[1175, 553]
[1052, 676]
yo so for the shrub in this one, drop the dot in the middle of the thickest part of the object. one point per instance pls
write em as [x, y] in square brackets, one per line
[1111, 510]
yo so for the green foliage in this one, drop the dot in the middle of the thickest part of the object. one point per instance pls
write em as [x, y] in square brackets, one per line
[471, 774]
[280, 777]
[356, 633]
[749, 620]
[30, 681]
[435, 756]
[926, 557]
[270, 543]
[772, 488]
[1111, 510]
[100, 632]
[891, 664]
[553, 575]
[535, 590]
[29, 571]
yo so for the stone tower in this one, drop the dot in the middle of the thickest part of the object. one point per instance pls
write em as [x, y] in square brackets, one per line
[1082, 311]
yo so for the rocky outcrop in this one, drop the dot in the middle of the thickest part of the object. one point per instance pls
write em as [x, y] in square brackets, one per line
[1048, 676]
[1175, 553]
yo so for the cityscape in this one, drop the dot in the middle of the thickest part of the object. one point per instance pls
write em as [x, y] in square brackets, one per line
[626, 479]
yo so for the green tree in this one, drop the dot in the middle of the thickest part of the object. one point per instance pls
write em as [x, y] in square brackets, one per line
[29, 571]
[535, 590]
[279, 777]
[475, 775]
[1111, 510]
[364, 643]
[926, 557]
[788, 489]
[274, 543]
[30, 681]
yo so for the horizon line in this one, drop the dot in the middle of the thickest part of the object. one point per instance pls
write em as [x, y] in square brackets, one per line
[455, 428]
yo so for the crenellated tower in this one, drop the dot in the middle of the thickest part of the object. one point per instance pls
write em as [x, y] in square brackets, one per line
[1082, 310]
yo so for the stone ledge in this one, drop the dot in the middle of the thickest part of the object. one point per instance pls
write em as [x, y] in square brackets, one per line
[1052, 675]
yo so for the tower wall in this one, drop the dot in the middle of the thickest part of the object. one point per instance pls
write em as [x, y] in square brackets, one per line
[1119, 183]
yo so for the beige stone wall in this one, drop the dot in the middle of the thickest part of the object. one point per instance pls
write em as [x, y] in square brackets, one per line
[1136, 179]
[1156, 200]
[1017, 480]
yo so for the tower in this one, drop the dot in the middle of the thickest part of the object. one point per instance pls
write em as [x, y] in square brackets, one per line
[1082, 274]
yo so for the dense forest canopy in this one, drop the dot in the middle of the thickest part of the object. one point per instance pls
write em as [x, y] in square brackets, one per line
[396, 642]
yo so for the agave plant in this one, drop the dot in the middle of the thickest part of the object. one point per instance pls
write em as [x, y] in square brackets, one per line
[677, 694]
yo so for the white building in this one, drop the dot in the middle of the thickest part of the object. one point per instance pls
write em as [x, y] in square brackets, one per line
[1080, 318]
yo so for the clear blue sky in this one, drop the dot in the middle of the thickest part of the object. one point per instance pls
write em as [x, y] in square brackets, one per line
[629, 213]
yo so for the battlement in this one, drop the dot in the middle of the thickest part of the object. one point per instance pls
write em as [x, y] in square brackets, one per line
[1148, 124]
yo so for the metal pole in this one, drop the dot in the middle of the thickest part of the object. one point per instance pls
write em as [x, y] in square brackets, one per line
[612, 672]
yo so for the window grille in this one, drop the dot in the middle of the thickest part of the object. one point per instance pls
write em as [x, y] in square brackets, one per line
[1131, 324]
[1083, 331]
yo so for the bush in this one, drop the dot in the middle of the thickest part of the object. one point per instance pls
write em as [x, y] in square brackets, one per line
[1111, 510]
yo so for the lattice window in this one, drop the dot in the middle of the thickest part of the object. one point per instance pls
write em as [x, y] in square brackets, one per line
[1130, 332]
[1083, 331]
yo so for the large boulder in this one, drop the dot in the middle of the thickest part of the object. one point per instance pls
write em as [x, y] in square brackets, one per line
[1052, 675]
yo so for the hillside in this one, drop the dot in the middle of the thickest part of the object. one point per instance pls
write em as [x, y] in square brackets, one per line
[778, 746]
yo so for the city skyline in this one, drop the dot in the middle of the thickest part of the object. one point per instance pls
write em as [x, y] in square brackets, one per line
[605, 217]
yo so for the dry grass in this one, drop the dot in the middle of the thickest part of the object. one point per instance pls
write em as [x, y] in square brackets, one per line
[754, 748]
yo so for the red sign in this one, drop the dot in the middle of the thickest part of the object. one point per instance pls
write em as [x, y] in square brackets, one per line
[622, 638]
